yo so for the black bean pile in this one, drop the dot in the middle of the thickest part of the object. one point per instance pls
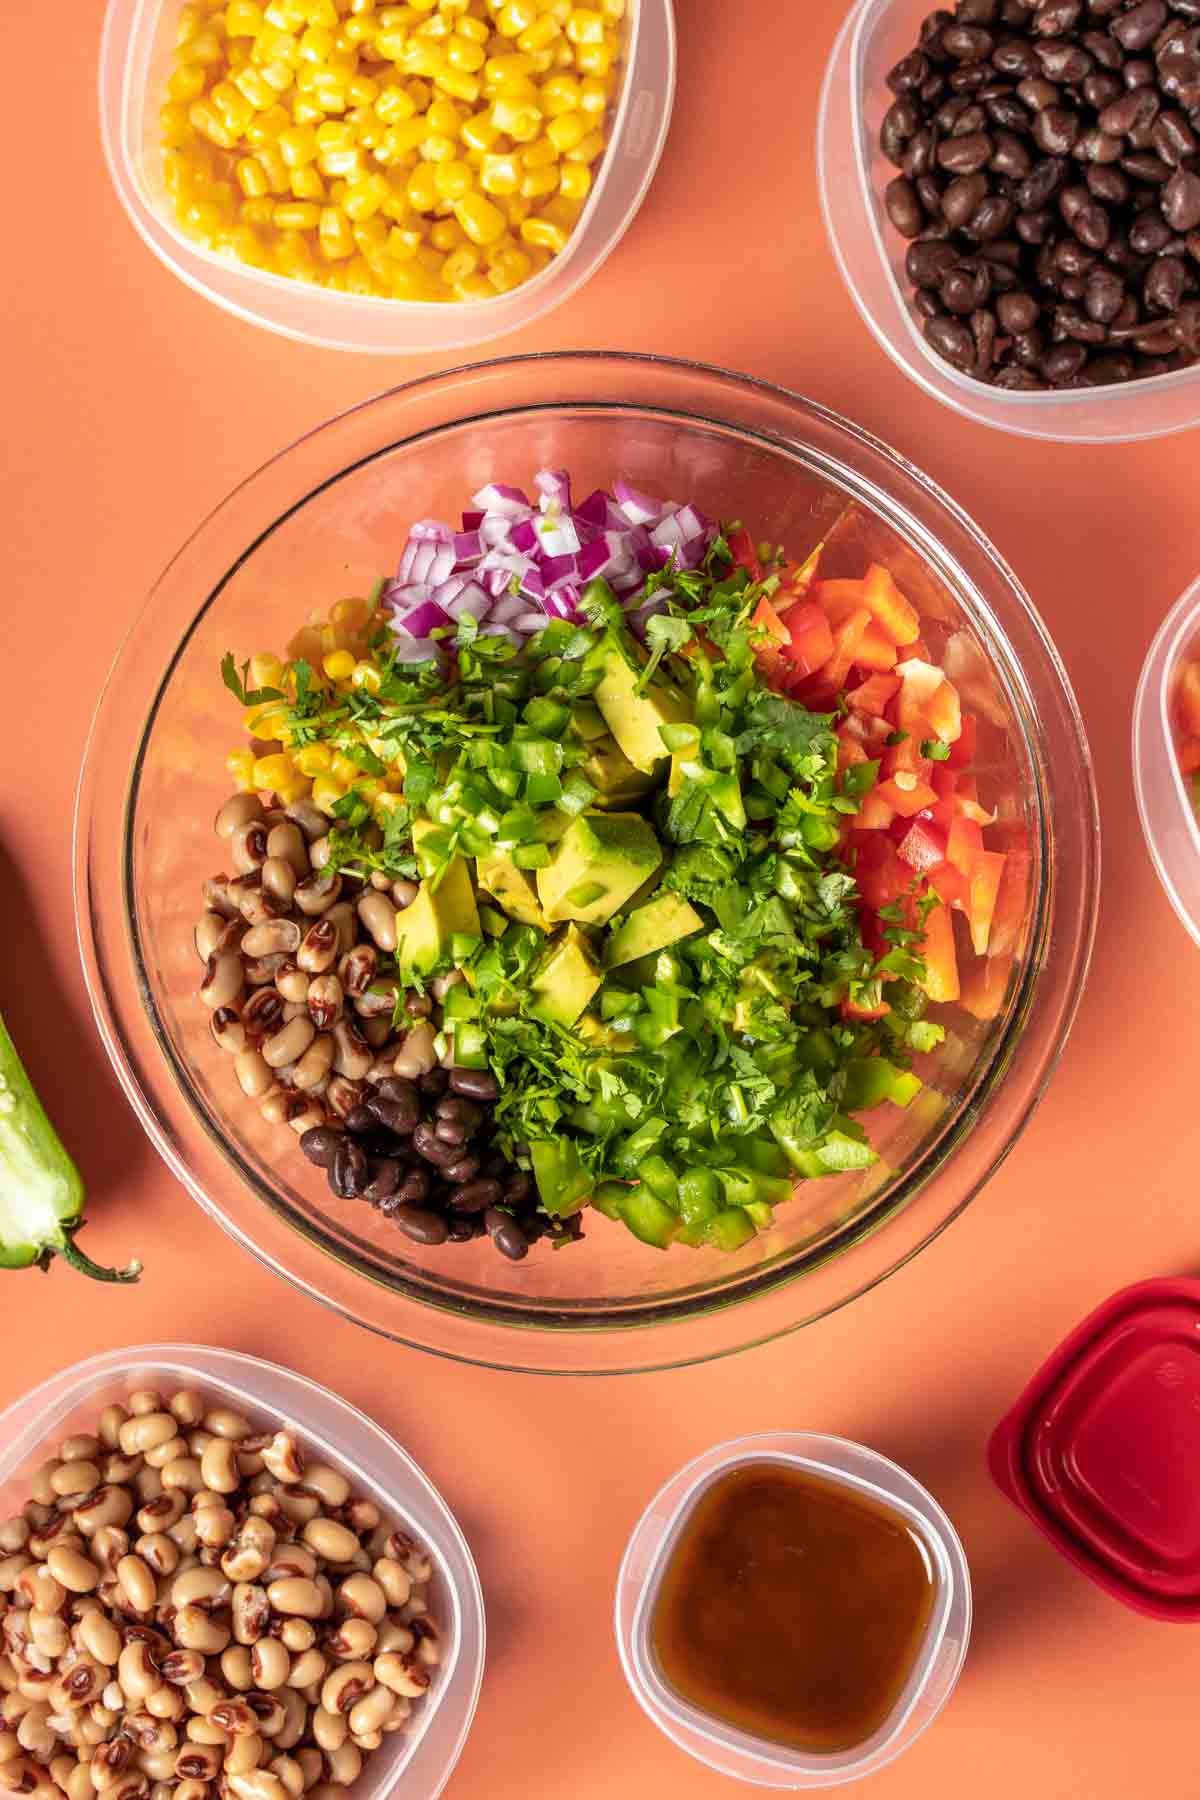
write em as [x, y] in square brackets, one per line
[1050, 157]
[413, 1152]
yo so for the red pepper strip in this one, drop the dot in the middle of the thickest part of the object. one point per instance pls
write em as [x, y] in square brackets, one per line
[811, 637]
[941, 981]
[907, 801]
[854, 1014]
[985, 886]
[872, 695]
[876, 650]
[1012, 901]
[947, 882]
[963, 749]
[874, 813]
[898, 618]
[741, 548]
[985, 985]
[964, 844]
[846, 639]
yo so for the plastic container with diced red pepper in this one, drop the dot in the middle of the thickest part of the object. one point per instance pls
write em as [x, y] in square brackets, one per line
[853, 646]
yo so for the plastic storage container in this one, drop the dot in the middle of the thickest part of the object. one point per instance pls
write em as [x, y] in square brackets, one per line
[1168, 818]
[870, 253]
[135, 61]
[419, 1760]
[723, 1747]
[1102, 1450]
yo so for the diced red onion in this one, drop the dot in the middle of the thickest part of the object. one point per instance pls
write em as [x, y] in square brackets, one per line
[473, 520]
[497, 497]
[421, 619]
[431, 531]
[554, 486]
[414, 650]
[468, 546]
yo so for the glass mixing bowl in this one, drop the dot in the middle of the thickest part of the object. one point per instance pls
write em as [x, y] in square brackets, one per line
[325, 519]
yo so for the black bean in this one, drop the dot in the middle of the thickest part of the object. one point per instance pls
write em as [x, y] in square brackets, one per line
[1018, 380]
[951, 340]
[1108, 184]
[1173, 138]
[926, 263]
[476, 1196]
[900, 123]
[1073, 258]
[433, 1083]
[967, 43]
[1101, 88]
[904, 209]
[506, 1234]
[1186, 326]
[1054, 17]
[1038, 93]
[1070, 323]
[386, 1174]
[1103, 295]
[964, 194]
[1063, 363]
[929, 194]
[964, 155]
[319, 1145]
[1101, 48]
[965, 288]
[1014, 57]
[908, 73]
[461, 1231]
[518, 1188]
[349, 1171]
[465, 1169]
[991, 220]
[975, 12]
[1138, 72]
[1011, 156]
[397, 1116]
[1094, 146]
[1055, 130]
[1144, 167]
[927, 303]
[1093, 226]
[1041, 184]
[1139, 27]
[1034, 227]
[1064, 63]
[1029, 347]
[1113, 367]
[415, 1187]
[1181, 200]
[476, 1084]
[463, 1112]
[359, 1120]
[448, 1131]
[920, 154]
[1017, 311]
[983, 330]
[395, 1087]
[969, 123]
[423, 1226]
[1006, 111]
[1179, 67]
[1149, 234]
[1163, 288]
[431, 1148]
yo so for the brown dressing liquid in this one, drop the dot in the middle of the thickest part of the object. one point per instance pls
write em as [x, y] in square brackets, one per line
[793, 1608]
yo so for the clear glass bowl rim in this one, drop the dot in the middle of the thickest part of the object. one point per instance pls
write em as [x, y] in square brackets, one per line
[657, 1342]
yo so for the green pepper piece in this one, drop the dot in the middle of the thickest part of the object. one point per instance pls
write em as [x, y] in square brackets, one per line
[762, 1215]
[660, 1178]
[730, 1229]
[564, 1185]
[648, 1218]
[41, 1191]
[699, 1196]
[609, 1197]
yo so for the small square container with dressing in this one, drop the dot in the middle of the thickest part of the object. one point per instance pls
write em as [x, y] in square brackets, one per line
[418, 1760]
[835, 1468]
[136, 53]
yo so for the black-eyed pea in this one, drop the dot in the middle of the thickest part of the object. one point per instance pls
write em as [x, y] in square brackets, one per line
[400, 1674]
[113, 1698]
[235, 1668]
[289, 1772]
[282, 1457]
[145, 1400]
[136, 1672]
[11, 1569]
[344, 1765]
[183, 1534]
[297, 1635]
[74, 1571]
[161, 1454]
[72, 1479]
[250, 1553]
[297, 1508]
[80, 1447]
[162, 1512]
[263, 1486]
[250, 1463]
[333, 1542]
[367, 1716]
[360, 1560]
[187, 1405]
[111, 1762]
[35, 1734]
[362, 1596]
[38, 1586]
[189, 1790]
[78, 1785]
[146, 1429]
[157, 1765]
[361, 1515]
[223, 1422]
[270, 1664]
[195, 1629]
[117, 1468]
[134, 1785]
[250, 1612]
[353, 1641]
[400, 1714]
[22, 1775]
[329, 1729]
[147, 1484]
[394, 1579]
[324, 1790]
[312, 1766]
[99, 1637]
[182, 1668]
[295, 1723]
[371, 1740]
[345, 1686]
[14, 1535]
[108, 1426]
[201, 1730]
[41, 1483]
[429, 1649]
[256, 1784]
[218, 1465]
[309, 1667]
[48, 1633]
[166, 1703]
[233, 1717]
[296, 1595]
[215, 1526]
[246, 1751]
[183, 1473]
[197, 1762]
[329, 1485]
[107, 1546]
[158, 1552]
[138, 1584]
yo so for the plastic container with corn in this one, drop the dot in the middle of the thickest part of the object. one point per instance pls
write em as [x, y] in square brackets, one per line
[439, 150]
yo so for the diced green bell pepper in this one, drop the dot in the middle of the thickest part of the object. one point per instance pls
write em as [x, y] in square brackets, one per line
[648, 1218]
[564, 1185]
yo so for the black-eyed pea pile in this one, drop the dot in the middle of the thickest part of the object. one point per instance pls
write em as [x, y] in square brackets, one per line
[192, 1607]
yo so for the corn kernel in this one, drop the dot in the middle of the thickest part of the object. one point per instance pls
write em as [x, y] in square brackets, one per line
[366, 676]
[298, 146]
[458, 84]
[478, 132]
[239, 766]
[438, 149]
[447, 235]
[482, 222]
[313, 760]
[343, 768]
[544, 234]
[269, 771]
[174, 126]
[459, 264]
[588, 148]
[394, 106]
[593, 59]
[187, 83]
[585, 26]
[544, 31]
[385, 803]
[575, 182]
[422, 188]
[243, 18]
[307, 184]
[500, 175]
[593, 96]
[339, 665]
[539, 182]
[465, 53]
[566, 130]
[260, 211]
[515, 17]
[326, 792]
[508, 269]
[453, 180]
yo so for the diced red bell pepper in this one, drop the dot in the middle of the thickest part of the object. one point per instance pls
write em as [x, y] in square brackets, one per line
[984, 986]
[840, 598]
[919, 650]
[882, 878]
[811, 639]
[964, 845]
[1012, 901]
[984, 880]
[923, 846]
[905, 758]
[963, 749]
[907, 800]
[1189, 755]
[928, 699]
[872, 695]
[850, 750]
[855, 1014]
[846, 639]
[897, 617]
[772, 641]
[950, 884]
[1187, 699]
[941, 981]
[874, 813]
[876, 650]
[741, 548]
[766, 619]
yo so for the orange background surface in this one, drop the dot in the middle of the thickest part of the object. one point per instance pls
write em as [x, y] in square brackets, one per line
[130, 407]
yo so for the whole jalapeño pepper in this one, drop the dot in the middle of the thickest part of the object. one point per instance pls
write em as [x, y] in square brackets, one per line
[41, 1191]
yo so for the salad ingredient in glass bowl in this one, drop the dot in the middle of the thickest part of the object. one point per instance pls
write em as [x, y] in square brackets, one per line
[437, 152]
[192, 1601]
[1049, 183]
[1186, 709]
[601, 859]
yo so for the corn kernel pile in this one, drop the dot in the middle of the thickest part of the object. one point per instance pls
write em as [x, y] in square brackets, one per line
[436, 150]
[337, 651]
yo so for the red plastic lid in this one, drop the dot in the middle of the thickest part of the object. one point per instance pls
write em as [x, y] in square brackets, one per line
[1102, 1450]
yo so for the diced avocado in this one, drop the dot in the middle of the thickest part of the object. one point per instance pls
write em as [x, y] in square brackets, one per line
[634, 718]
[499, 876]
[601, 859]
[567, 979]
[662, 921]
[424, 929]
[610, 771]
